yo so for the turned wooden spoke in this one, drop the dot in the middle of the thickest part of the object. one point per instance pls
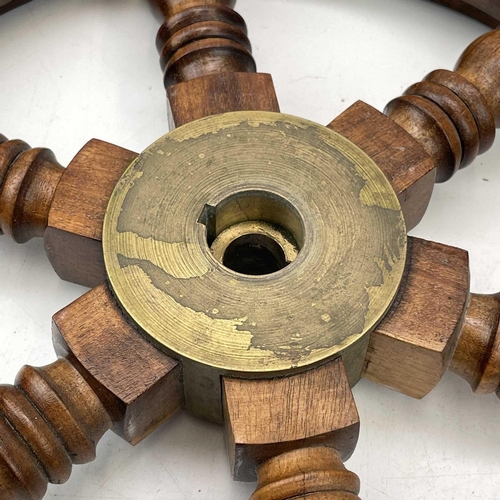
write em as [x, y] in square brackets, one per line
[419, 339]
[119, 363]
[413, 345]
[49, 420]
[295, 449]
[65, 206]
[313, 473]
[460, 108]
[108, 377]
[202, 38]
[437, 127]
[477, 356]
[486, 11]
[28, 181]
[73, 238]
[206, 57]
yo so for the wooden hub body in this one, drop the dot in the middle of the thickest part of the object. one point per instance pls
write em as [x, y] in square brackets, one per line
[254, 245]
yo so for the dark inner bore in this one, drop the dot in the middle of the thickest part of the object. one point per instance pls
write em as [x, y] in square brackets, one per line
[254, 254]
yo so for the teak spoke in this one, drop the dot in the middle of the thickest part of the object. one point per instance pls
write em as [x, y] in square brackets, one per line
[436, 324]
[28, 181]
[206, 57]
[437, 127]
[65, 206]
[73, 238]
[108, 377]
[460, 108]
[122, 366]
[310, 473]
[477, 356]
[49, 420]
[298, 448]
[411, 348]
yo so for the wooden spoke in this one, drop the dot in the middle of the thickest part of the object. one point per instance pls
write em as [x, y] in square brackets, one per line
[447, 120]
[39, 198]
[477, 356]
[220, 93]
[49, 420]
[108, 377]
[125, 369]
[403, 160]
[419, 339]
[202, 39]
[461, 108]
[314, 473]
[206, 57]
[73, 238]
[297, 448]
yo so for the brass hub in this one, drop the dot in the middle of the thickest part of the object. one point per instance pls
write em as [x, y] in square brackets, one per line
[254, 244]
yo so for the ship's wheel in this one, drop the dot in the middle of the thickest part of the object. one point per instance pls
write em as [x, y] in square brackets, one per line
[252, 266]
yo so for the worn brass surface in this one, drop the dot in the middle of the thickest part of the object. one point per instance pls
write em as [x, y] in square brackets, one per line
[322, 195]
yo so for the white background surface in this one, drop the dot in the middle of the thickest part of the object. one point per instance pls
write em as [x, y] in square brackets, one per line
[73, 70]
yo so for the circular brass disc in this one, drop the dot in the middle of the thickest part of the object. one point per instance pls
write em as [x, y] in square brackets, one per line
[217, 321]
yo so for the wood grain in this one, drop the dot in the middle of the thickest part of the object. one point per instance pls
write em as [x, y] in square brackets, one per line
[201, 31]
[140, 385]
[208, 57]
[28, 180]
[477, 356]
[473, 99]
[432, 127]
[403, 160]
[74, 232]
[413, 345]
[49, 420]
[265, 418]
[457, 111]
[221, 93]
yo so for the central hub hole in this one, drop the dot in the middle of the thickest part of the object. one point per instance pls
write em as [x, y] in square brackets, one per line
[253, 232]
[254, 254]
